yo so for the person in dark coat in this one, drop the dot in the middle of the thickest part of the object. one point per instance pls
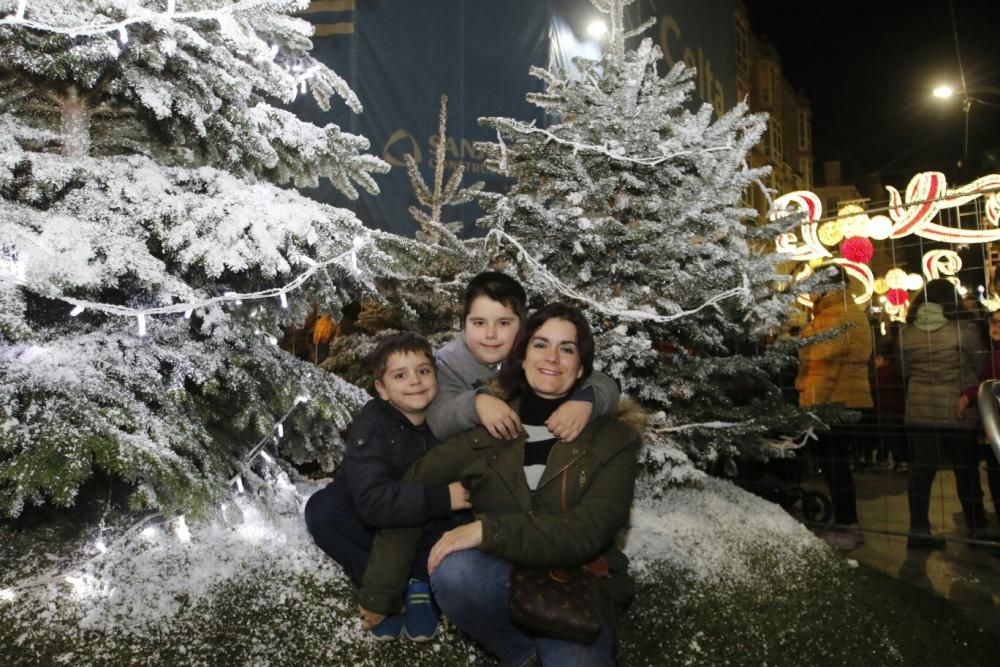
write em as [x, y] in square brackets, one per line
[539, 501]
[941, 354]
[386, 437]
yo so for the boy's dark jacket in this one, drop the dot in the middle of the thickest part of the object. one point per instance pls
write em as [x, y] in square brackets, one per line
[381, 444]
[522, 526]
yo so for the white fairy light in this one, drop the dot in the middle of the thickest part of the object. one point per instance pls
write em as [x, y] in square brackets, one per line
[76, 311]
[123, 35]
[283, 299]
[346, 259]
[239, 484]
[7, 595]
[301, 398]
[181, 529]
[280, 429]
[187, 314]
[141, 319]
[267, 457]
[272, 340]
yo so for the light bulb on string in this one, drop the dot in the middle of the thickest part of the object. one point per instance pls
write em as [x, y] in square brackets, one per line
[280, 430]
[123, 35]
[283, 299]
[141, 319]
[187, 314]
[267, 457]
[76, 311]
[239, 484]
[7, 595]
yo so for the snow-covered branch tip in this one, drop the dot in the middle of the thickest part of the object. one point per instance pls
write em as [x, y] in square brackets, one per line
[348, 260]
[786, 443]
[688, 427]
[169, 13]
[577, 146]
[742, 291]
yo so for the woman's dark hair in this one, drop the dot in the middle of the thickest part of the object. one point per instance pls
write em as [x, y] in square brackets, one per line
[496, 286]
[512, 378]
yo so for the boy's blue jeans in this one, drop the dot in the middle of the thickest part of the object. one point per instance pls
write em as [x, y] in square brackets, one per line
[473, 590]
[335, 526]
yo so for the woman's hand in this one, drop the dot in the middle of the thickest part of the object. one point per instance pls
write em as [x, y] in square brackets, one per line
[369, 619]
[464, 537]
[498, 417]
[961, 406]
[459, 496]
[570, 419]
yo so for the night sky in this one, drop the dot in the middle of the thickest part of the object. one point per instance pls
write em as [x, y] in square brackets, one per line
[868, 69]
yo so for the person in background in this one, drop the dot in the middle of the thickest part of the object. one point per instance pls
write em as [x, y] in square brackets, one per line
[941, 353]
[991, 371]
[836, 371]
[888, 394]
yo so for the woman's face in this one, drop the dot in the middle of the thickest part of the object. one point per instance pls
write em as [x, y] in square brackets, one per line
[995, 326]
[552, 361]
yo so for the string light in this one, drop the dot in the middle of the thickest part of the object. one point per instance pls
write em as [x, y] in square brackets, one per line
[76, 311]
[347, 260]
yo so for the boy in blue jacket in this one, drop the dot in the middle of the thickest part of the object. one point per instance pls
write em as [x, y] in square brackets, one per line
[388, 435]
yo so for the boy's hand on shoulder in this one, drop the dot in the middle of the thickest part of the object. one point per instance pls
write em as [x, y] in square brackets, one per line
[459, 496]
[498, 417]
[369, 619]
[570, 419]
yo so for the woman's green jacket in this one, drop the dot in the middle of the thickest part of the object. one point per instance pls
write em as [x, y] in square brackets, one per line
[520, 525]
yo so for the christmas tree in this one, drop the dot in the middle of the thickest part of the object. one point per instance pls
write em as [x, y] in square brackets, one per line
[630, 202]
[148, 252]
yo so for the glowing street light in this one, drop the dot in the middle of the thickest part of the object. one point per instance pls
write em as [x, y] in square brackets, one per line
[943, 92]
[597, 29]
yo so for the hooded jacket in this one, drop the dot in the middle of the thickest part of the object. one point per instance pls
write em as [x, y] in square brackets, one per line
[940, 358]
[836, 370]
[523, 526]
[381, 445]
[461, 376]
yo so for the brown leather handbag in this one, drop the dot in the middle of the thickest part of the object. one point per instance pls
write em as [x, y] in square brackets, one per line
[562, 603]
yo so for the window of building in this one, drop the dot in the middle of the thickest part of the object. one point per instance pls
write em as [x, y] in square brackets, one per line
[766, 98]
[775, 146]
[805, 169]
[831, 204]
[742, 46]
[803, 131]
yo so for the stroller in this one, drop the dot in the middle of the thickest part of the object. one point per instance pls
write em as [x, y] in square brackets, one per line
[779, 480]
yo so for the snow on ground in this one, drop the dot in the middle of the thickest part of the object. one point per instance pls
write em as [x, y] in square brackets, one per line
[713, 534]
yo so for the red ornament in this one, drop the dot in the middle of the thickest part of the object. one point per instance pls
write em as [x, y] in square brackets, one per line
[897, 296]
[857, 249]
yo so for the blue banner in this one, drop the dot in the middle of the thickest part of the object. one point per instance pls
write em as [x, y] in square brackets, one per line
[400, 57]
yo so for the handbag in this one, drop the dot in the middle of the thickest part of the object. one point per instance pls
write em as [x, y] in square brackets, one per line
[561, 603]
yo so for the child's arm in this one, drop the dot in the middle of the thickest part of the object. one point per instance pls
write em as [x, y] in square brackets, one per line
[597, 397]
[459, 407]
[454, 408]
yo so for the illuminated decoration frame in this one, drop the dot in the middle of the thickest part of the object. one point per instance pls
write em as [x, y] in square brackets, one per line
[926, 195]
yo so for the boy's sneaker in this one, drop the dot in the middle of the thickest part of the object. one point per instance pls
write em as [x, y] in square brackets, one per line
[421, 615]
[389, 629]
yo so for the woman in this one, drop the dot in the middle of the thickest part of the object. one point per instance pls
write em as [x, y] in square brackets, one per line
[941, 354]
[836, 371]
[517, 490]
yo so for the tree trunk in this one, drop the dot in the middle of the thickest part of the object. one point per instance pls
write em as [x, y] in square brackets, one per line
[75, 124]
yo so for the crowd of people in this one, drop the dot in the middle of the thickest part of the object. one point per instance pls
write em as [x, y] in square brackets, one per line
[915, 391]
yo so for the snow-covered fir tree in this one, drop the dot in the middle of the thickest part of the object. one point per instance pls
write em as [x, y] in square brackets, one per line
[148, 253]
[630, 202]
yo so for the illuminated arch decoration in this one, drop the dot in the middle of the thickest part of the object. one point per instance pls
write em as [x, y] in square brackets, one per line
[937, 263]
[913, 212]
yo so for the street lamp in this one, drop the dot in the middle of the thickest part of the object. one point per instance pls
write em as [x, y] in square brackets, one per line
[945, 91]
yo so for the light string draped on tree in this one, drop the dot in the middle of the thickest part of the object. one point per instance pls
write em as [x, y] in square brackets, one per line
[9, 593]
[299, 75]
[634, 315]
[350, 257]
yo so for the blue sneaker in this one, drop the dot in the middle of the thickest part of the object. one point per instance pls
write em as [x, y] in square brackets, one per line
[421, 615]
[389, 629]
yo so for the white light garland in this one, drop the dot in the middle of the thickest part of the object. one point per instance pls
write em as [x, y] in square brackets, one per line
[86, 29]
[634, 315]
[577, 147]
[180, 527]
[687, 427]
[347, 260]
